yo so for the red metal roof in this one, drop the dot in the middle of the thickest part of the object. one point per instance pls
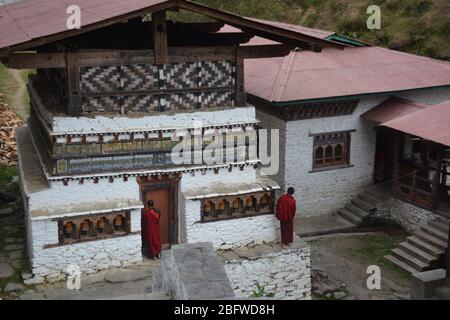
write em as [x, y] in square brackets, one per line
[431, 123]
[304, 75]
[391, 109]
[28, 20]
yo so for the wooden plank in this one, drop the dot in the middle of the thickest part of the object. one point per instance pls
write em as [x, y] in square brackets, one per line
[266, 51]
[73, 85]
[95, 58]
[31, 60]
[157, 91]
[240, 79]
[437, 176]
[159, 23]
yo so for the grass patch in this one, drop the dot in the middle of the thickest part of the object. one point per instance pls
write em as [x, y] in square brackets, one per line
[375, 247]
[8, 86]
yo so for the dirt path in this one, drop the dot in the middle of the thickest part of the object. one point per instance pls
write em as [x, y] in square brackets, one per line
[334, 256]
[18, 105]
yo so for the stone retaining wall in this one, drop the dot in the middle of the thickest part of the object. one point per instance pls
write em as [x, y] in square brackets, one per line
[284, 273]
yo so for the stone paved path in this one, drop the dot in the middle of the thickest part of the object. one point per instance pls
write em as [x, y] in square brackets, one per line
[133, 283]
[13, 259]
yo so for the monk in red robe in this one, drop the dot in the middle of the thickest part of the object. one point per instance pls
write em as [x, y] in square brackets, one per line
[152, 231]
[285, 212]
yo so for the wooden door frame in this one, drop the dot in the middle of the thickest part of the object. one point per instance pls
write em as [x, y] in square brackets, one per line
[171, 183]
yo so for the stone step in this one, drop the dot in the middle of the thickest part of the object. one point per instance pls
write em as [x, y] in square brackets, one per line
[425, 246]
[401, 264]
[417, 252]
[367, 197]
[364, 205]
[409, 259]
[438, 225]
[349, 216]
[443, 214]
[435, 232]
[357, 211]
[441, 219]
[438, 243]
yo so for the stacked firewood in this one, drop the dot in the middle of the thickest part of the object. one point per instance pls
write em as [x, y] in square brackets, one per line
[9, 121]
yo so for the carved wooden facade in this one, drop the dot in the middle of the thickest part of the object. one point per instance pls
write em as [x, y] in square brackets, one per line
[305, 110]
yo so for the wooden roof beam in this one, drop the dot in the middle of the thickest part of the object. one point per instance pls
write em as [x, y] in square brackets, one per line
[264, 30]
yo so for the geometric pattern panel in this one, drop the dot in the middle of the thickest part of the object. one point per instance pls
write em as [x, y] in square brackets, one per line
[175, 76]
[109, 104]
[217, 99]
[180, 75]
[182, 101]
[143, 103]
[98, 79]
[217, 74]
[139, 77]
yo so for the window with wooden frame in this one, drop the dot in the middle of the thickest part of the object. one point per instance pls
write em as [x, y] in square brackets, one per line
[240, 206]
[331, 150]
[93, 227]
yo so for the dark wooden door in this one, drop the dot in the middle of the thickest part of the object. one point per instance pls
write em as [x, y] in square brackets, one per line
[161, 200]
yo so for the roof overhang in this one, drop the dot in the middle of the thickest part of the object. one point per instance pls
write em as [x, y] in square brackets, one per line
[431, 123]
[27, 28]
[391, 109]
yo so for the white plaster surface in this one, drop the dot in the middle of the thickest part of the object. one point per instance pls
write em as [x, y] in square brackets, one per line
[227, 234]
[102, 124]
[324, 192]
[90, 257]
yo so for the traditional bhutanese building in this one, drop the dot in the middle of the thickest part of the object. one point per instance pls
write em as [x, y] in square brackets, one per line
[364, 132]
[105, 104]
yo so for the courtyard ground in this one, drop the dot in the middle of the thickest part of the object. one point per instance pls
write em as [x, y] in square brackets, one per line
[344, 259]
[340, 258]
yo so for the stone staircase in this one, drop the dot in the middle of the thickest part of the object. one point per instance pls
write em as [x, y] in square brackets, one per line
[424, 248]
[361, 207]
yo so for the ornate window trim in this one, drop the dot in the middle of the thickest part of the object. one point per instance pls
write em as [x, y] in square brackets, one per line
[86, 228]
[331, 150]
[237, 206]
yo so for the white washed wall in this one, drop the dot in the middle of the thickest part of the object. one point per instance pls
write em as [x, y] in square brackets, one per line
[324, 192]
[227, 234]
[74, 193]
[286, 273]
[62, 125]
[327, 191]
[92, 256]
[209, 178]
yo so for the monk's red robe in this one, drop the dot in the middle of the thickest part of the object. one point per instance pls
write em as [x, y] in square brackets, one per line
[152, 232]
[285, 212]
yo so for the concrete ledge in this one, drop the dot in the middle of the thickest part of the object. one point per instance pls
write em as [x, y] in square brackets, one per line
[194, 272]
[424, 284]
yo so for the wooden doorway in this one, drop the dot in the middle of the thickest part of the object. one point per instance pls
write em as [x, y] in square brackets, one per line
[164, 193]
[161, 200]
[384, 156]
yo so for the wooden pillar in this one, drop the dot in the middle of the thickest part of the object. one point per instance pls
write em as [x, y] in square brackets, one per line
[73, 85]
[436, 180]
[159, 23]
[240, 83]
[395, 159]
